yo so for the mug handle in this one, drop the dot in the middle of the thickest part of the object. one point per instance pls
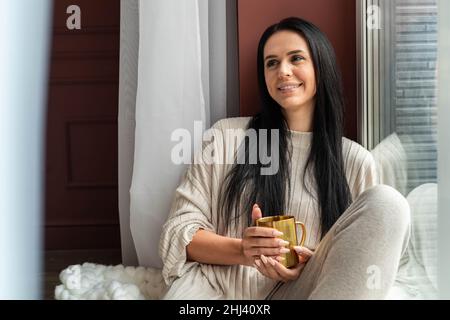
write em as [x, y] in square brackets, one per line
[303, 232]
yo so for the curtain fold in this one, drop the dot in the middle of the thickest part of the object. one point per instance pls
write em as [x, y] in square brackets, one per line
[129, 49]
[178, 64]
[169, 96]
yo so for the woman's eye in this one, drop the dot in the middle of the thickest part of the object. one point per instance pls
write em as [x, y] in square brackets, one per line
[271, 63]
[297, 58]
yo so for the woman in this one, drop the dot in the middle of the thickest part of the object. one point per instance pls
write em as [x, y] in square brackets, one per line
[356, 231]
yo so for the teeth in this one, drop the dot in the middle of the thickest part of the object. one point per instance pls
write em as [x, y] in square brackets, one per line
[289, 87]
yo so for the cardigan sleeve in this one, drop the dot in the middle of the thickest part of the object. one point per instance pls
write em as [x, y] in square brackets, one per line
[366, 175]
[360, 168]
[191, 210]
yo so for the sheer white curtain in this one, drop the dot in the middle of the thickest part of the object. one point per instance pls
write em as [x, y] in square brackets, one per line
[169, 96]
[129, 47]
[174, 70]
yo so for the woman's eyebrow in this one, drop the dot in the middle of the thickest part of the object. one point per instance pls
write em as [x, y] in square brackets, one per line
[288, 54]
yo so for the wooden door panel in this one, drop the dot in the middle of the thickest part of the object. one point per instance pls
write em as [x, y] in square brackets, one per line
[84, 68]
[87, 98]
[96, 14]
[81, 148]
[85, 41]
[92, 143]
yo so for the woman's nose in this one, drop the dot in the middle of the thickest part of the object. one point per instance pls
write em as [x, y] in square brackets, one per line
[285, 70]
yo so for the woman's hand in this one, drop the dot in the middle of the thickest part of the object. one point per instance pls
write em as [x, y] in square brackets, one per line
[259, 241]
[275, 270]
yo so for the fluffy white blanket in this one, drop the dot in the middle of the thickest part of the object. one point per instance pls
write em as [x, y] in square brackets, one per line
[91, 281]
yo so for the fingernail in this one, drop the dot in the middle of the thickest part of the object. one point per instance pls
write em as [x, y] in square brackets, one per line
[255, 206]
[284, 250]
[272, 262]
[277, 233]
[298, 249]
[283, 243]
[264, 259]
[257, 262]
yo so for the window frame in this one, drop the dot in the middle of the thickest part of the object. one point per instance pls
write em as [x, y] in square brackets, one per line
[370, 75]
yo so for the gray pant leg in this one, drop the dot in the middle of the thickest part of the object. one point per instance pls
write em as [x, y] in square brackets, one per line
[359, 256]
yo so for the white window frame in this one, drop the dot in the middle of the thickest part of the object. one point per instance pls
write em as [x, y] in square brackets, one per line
[371, 73]
[443, 148]
[370, 55]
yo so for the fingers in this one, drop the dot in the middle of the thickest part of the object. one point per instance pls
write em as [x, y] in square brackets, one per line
[265, 266]
[303, 253]
[289, 274]
[263, 241]
[275, 270]
[276, 258]
[256, 251]
[265, 246]
[267, 242]
[256, 213]
[262, 232]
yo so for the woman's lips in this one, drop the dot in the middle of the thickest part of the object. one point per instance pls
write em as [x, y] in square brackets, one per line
[289, 88]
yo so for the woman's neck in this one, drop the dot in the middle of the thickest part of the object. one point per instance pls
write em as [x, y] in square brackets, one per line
[300, 120]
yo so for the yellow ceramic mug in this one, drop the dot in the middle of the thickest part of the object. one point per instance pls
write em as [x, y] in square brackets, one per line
[287, 225]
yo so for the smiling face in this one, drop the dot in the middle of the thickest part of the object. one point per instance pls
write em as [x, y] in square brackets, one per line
[289, 72]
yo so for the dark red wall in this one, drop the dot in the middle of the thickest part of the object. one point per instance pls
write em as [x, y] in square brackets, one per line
[337, 19]
[81, 201]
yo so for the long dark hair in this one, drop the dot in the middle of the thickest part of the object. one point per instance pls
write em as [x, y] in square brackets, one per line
[244, 185]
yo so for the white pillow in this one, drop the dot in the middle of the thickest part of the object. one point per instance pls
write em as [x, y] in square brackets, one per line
[423, 243]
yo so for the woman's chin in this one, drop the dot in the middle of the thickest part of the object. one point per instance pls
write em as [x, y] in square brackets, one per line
[290, 105]
[294, 104]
